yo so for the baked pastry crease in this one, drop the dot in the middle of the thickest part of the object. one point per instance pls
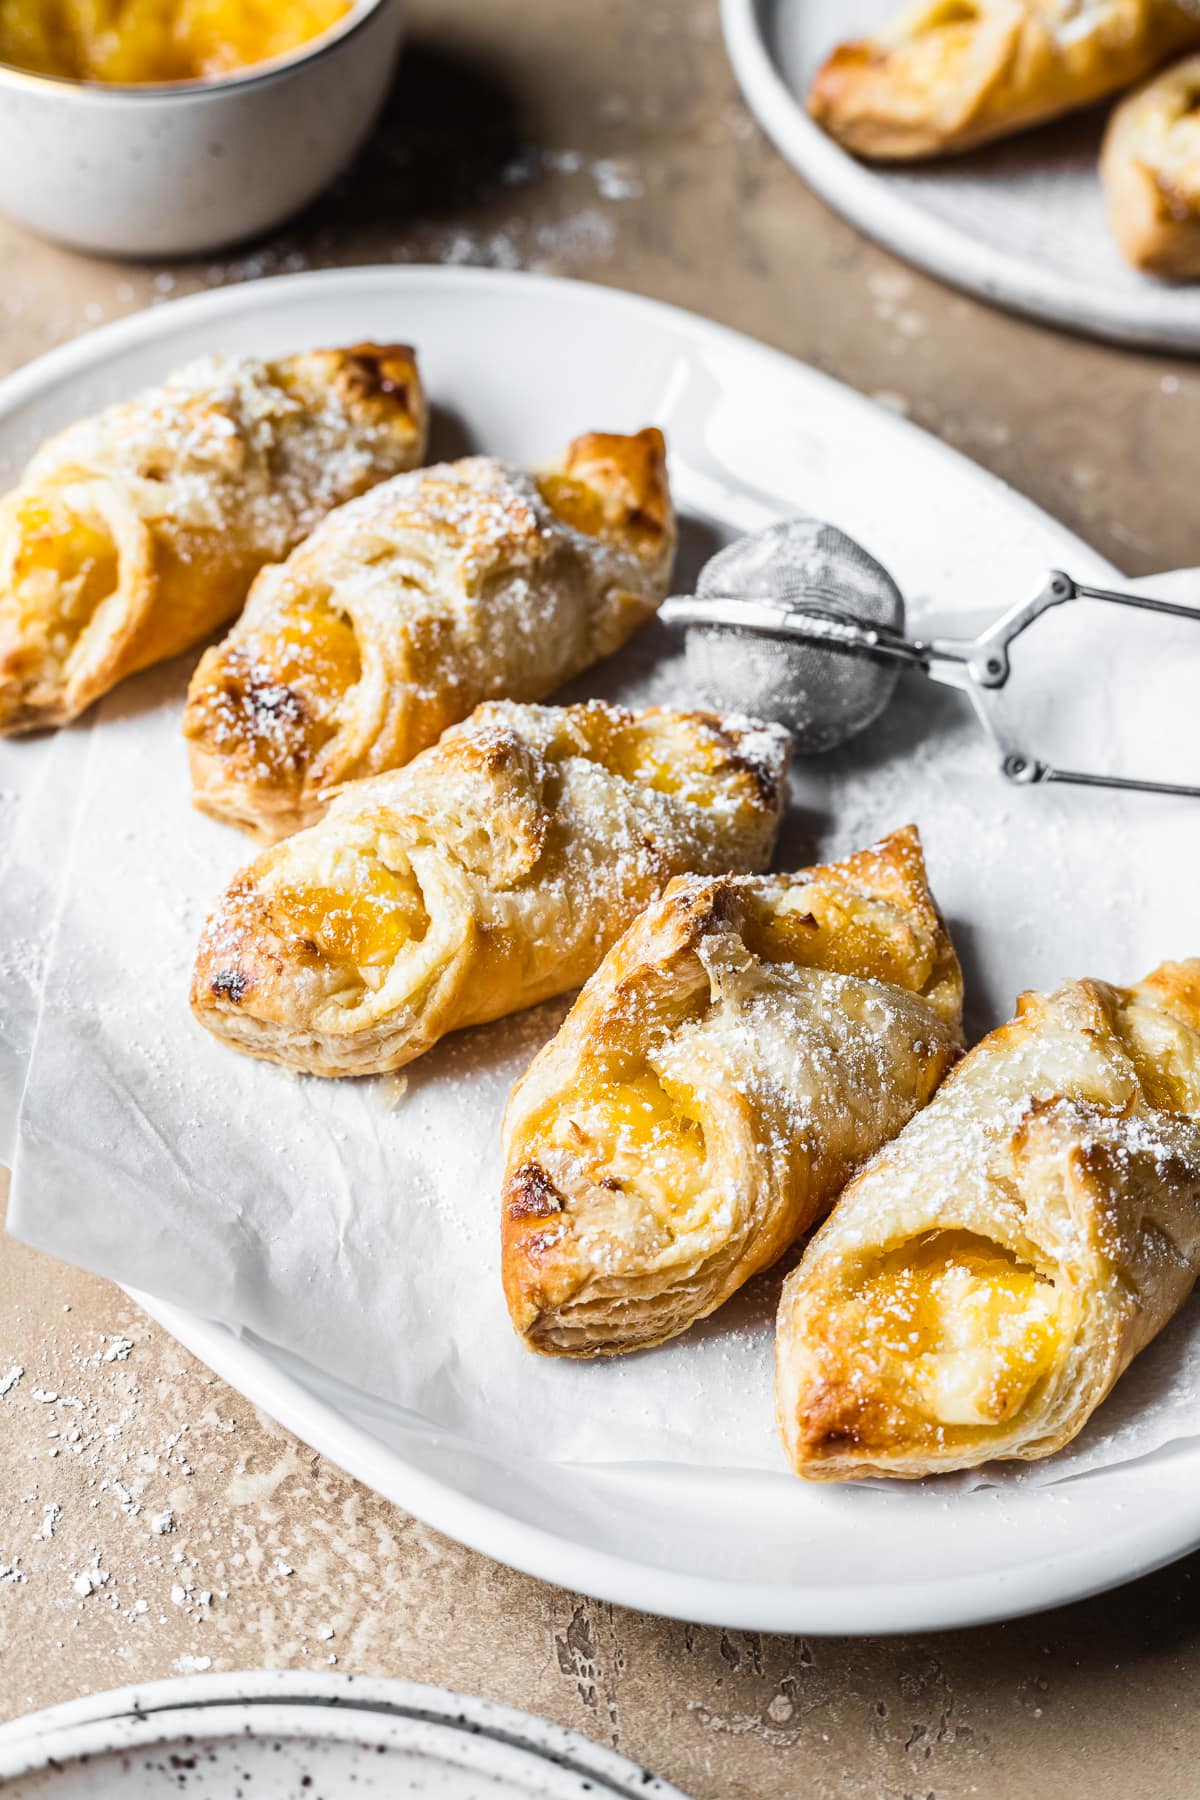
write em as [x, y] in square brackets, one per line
[946, 75]
[494, 871]
[987, 1278]
[741, 1050]
[464, 582]
[1150, 166]
[135, 533]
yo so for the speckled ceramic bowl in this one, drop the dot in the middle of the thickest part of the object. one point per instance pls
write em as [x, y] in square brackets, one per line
[280, 1734]
[172, 170]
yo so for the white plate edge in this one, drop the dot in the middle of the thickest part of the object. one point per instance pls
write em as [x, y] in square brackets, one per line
[535, 1551]
[734, 1605]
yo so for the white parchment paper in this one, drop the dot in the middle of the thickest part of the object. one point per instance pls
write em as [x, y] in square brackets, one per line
[39, 790]
[356, 1223]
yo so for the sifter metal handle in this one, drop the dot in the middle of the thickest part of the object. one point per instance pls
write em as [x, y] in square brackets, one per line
[982, 666]
[820, 626]
[976, 666]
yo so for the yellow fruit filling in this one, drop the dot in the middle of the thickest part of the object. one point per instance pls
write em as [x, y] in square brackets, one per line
[272, 705]
[66, 566]
[964, 1329]
[316, 646]
[946, 15]
[845, 933]
[636, 1137]
[365, 920]
[574, 502]
[673, 756]
[134, 41]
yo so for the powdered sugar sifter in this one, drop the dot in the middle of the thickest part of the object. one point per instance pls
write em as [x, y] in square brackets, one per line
[800, 624]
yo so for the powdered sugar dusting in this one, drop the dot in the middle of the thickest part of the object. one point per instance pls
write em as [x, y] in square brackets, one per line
[234, 446]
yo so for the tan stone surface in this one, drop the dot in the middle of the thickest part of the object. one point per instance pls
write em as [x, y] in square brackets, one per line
[608, 142]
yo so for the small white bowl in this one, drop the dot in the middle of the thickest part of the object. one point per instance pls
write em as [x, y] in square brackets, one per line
[171, 170]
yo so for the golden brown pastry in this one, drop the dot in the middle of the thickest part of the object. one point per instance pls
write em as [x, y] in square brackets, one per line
[466, 582]
[1150, 166]
[946, 75]
[985, 1280]
[493, 871]
[747, 1043]
[135, 533]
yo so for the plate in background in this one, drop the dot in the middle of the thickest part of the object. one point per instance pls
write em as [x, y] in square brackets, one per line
[279, 1734]
[1020, 223]
[753, 433]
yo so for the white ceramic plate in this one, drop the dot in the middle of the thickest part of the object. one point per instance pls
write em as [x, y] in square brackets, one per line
[278, 1735]
[1019, 223]
[519, 362]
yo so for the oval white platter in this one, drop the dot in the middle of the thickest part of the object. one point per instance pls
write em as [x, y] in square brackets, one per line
[522, 362]
[1020, 223]
[280, 1734]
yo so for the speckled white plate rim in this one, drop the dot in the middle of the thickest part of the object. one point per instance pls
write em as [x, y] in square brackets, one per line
[855, 190]
[296, 1703]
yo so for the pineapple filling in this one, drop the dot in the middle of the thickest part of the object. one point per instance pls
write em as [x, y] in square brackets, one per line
[967, 1328]
[66, 566]
[848, 934]
[313, 660]
[156, 40]
[316, 647]
[575, 503]
[949, 13]
[364, 920]
[275, 703]
[637, 1137]
[669, 755]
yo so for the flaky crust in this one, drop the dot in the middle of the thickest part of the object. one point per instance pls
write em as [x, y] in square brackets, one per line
[134, 534]
[741, 1050]
[1150, 166]
[493, 871]
[946, 75]
[1062, 1160]
[465, 582]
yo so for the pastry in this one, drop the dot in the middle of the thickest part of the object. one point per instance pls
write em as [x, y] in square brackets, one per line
[742, 1049]
[493, 871]
[466, 582]
[946, 75]
[134, 534]
[1150, 166]
[988, 1276]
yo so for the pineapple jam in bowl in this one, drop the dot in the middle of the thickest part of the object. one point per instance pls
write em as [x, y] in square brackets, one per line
[159, 128]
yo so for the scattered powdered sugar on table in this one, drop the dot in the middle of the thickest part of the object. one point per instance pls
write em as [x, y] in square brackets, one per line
[84, 1447]
[101, 1521]
[585, 196]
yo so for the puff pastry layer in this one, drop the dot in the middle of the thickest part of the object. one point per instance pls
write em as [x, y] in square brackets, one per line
[747, 1043]
[134, 534]
[986, 1279]
[1150, 166]
[946, 75]
[466, 582]
[493, 871]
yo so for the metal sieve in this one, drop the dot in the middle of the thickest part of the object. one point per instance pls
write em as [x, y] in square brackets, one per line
[798, 623]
